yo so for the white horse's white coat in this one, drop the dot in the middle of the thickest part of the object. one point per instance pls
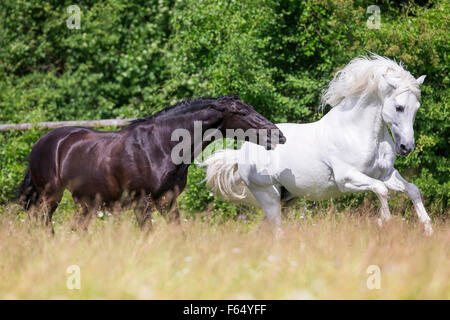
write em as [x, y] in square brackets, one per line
[348, 150]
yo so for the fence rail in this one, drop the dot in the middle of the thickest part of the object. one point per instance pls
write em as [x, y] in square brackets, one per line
[57, 124]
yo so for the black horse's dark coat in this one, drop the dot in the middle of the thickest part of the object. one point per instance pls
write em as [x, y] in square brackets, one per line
[133, 164]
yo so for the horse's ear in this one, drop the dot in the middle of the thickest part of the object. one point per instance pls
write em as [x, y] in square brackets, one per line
[390, 81]
[421, 79]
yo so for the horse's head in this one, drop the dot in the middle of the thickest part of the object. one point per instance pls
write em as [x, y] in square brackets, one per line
[400, 106]
[239, 115]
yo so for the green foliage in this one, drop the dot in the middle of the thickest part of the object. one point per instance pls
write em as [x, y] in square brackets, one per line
[14, 148]
[110, 67]
[132, 58]
[198, 196]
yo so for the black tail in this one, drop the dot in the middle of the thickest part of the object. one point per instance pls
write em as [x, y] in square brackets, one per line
[28, 194]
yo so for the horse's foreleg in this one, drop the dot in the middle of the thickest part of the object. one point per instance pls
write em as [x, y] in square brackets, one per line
[169, 209]
[144, 217]
[396, 182]
[351, 180]
[168, 206]
[174, 214]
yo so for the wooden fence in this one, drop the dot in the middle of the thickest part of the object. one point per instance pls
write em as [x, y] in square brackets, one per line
[57, 124]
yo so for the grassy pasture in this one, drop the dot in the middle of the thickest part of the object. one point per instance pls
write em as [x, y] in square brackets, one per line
[319, 256]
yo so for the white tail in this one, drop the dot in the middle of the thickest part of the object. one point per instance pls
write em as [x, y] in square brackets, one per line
[223, 177]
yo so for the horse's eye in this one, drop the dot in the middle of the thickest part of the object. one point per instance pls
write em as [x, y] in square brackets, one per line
[243, 112]
[399, 108]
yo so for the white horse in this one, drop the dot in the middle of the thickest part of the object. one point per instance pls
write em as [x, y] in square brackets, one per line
[348, 150]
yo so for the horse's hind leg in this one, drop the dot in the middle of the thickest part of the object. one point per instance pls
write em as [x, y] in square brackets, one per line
[83, 217]
[268, 198]
[287, 201]
[49, 203]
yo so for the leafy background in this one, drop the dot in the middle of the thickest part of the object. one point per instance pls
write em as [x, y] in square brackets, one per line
[131, 58]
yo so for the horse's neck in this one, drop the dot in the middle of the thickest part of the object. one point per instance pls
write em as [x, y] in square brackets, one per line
[363, 117]
[210, 120]
[196, 123]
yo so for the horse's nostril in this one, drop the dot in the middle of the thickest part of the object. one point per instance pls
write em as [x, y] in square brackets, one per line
[404, 150]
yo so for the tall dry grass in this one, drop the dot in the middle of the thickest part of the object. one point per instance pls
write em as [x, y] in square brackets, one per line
[321, 258]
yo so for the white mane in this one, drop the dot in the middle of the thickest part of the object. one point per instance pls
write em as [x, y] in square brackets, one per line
[361, 77]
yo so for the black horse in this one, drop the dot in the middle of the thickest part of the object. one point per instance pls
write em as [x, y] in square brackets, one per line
[130, 166]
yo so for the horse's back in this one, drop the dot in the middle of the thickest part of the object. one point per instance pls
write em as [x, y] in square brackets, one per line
[298, 165]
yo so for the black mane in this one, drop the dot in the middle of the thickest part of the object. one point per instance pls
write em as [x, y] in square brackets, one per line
[185, 107]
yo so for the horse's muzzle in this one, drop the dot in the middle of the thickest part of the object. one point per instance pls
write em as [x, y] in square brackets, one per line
[271, 145]
[404, 149]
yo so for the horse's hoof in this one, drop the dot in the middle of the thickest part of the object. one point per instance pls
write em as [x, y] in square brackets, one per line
[428, 229]
[379, 222]
[278, 233]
